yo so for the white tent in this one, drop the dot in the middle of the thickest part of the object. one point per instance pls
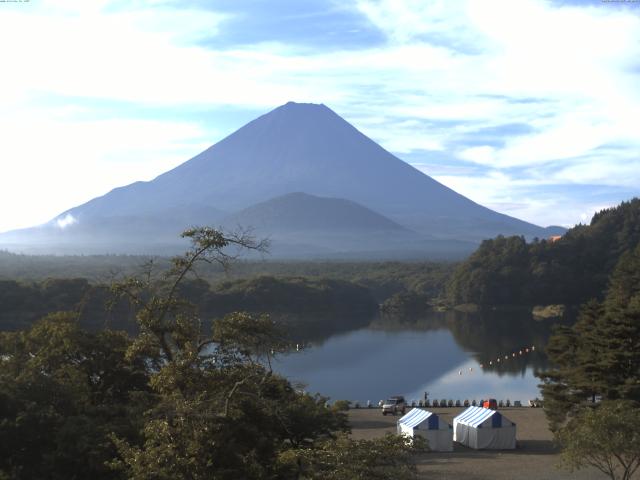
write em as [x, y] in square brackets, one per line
[428, 425]
[482, 428]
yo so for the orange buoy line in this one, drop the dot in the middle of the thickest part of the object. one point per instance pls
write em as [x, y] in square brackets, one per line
[504, 358]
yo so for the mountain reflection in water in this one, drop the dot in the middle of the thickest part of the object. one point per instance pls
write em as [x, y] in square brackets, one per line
[440, 353]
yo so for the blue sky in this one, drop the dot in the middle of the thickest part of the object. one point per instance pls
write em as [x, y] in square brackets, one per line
[528, 107]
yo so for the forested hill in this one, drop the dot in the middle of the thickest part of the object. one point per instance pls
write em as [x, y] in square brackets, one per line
[571, 270]
[305, 305]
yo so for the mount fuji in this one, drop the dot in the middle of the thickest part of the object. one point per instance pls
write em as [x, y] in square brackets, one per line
[300, 175]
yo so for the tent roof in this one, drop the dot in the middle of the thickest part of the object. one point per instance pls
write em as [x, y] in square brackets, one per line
[415, 417]
[474, 416]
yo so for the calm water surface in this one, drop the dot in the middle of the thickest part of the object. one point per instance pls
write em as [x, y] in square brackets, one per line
[443, 358]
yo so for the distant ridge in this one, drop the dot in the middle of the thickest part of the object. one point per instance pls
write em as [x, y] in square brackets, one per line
[303, 212]
[305, 148]
[306, 226]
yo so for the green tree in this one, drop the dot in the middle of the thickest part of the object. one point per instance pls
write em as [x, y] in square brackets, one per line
[578, 374]
[221, 411]
[600, 354]
[387, 458]
[570, 271]
[619, 335]
[184, 399]
[63, 391]
[606, 438]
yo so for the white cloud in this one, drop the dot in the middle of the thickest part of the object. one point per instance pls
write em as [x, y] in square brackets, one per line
[602, 169]
[543, 199]
[570, 58]
[469, 62]
[404, 20]
[64, 222]
[52, 163]
[484, 155]
[504, 194]
[584, 98]
[133, 56]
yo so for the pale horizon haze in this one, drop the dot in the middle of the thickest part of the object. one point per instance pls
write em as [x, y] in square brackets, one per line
[528, 107]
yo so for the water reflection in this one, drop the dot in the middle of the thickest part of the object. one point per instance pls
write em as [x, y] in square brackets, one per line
[486, 336]
[478, 384]
[440, 353]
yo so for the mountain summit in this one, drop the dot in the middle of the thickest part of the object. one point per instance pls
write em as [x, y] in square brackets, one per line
[296, 147]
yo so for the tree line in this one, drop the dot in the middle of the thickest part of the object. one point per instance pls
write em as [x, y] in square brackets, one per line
[571, 270]
[383, 279]
[592, 394]
[295, 300]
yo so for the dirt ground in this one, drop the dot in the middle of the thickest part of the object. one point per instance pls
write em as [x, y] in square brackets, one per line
[534, 458]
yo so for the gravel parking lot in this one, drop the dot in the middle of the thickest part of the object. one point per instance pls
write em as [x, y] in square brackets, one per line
[535, 457]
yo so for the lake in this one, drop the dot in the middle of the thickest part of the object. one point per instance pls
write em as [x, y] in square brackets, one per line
[441, 354]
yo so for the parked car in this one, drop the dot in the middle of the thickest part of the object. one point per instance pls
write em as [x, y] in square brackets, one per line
[395, 404]
[536, 403]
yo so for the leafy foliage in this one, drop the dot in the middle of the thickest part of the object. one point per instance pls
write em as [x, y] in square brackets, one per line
[381, 279]
[406, 303]
[347, 459]
[607, 438]
[300, 302]
[184, 399]
[62, 392]
[571, 270]
[598, 358]
[291, 294]
[600, 354]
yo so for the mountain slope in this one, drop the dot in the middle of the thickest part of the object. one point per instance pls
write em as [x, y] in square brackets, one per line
[302, 212]
[156, 232]
[308, 148]
[294, 148]
[306, 226]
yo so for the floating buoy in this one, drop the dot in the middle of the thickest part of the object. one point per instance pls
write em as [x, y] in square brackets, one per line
[506, 357]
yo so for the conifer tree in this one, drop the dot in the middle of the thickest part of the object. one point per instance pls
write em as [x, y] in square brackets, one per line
[600, 355]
